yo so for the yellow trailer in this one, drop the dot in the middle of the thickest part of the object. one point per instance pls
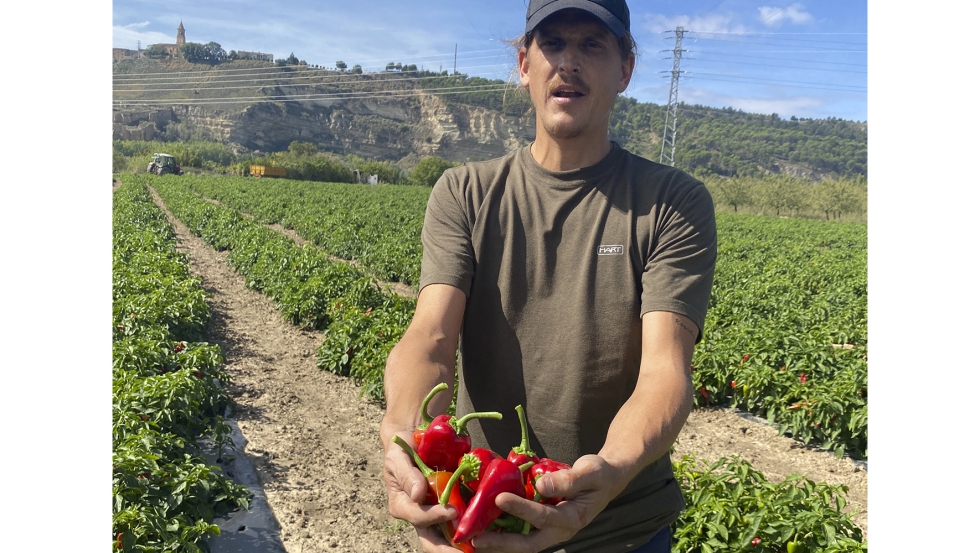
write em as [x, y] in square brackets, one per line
[267, 171]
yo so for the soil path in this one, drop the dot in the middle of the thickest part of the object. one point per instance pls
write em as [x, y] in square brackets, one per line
[314, 440]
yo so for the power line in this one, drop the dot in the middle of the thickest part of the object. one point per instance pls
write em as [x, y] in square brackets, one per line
[292, 97]
[776, 84]
[779, 80]
[292, 71]
[352, 79]
[788, 45]
[778, 59]
[779, 66]
[764, 35]
[287, 67]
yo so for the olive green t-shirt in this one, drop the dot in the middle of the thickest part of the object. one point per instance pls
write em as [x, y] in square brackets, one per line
[558, 268]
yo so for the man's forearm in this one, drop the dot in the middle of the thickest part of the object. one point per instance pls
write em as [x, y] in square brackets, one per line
[416, 365]
[648, 423]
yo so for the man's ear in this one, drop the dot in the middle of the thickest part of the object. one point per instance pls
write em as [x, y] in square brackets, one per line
[522, 67]
[628, 67]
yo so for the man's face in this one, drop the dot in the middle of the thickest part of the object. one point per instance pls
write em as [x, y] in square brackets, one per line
[574, 71]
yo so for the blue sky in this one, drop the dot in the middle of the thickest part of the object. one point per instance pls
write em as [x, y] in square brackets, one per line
[802, 58]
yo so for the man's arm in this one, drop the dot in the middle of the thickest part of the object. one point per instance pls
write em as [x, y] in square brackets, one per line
[424, 357]
[644, 429]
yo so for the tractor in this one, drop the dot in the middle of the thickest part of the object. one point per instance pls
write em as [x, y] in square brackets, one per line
[164, 164]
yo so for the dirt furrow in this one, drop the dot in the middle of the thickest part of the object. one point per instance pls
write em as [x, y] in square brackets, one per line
[313, 440]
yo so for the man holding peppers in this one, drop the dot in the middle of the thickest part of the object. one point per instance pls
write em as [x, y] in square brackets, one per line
[574, 278]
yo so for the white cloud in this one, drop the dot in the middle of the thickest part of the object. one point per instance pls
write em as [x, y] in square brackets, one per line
[710, 23]
[794, 13]
[127, 36]
[801, 106]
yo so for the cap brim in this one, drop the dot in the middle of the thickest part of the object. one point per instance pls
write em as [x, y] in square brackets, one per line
[615, 25]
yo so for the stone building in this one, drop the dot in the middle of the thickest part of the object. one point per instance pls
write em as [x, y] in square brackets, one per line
[173, 50]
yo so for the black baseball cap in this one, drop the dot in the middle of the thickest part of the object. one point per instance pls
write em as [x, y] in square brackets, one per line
[614, 13]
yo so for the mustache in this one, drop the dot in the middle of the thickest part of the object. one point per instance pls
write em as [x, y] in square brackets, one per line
[571, 79]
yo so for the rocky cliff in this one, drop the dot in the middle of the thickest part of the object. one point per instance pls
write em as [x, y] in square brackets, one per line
[392, 129]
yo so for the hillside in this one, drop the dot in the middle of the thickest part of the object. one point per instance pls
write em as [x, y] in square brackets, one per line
[405, 116]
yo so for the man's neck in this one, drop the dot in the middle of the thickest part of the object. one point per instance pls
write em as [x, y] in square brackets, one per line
[567, 154]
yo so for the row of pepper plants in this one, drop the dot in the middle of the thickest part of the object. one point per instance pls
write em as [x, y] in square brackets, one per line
[360, 322]
[166, 387]
[786, 292]
[730, 506]
[378, 226]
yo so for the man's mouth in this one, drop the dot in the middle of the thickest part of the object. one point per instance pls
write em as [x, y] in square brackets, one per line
[567, 93]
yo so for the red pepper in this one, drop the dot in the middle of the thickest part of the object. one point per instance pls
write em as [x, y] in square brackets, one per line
[502, 476]
[803, 378]
[443, 440]
[542, 467]
[484, 456]
[439, 486]
[522, 454]
[704, 392]
[119, 540]
[756, 541]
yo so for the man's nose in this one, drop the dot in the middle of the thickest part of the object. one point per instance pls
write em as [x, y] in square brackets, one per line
[569, 61]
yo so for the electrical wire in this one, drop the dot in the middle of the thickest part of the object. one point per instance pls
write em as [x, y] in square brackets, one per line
[124, 78]
[778, 59]
[778, 66]
[776, 84]
[293, 97]
[353, 79]
[285, 67]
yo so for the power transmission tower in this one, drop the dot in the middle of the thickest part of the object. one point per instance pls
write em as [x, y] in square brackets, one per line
[670, 122]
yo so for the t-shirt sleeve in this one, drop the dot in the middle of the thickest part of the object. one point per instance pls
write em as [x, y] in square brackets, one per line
[680, 270]
[447, 249]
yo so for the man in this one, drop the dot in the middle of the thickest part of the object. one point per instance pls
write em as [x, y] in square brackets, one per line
[574, 277]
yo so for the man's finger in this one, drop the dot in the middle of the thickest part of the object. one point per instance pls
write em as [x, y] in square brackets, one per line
[584, 475]
[400, 506]
[535, 513]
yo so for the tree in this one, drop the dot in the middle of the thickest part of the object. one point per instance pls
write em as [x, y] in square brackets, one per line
[356, 70]
[428, 171]
[341, 65]
[292, 59]
[735, 192]
[302, 148]
[156, 51]
[280, 62]
[210, 53]
[410, 67]
[390, 66]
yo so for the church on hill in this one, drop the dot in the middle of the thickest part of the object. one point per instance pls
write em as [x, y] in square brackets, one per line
[174, 49]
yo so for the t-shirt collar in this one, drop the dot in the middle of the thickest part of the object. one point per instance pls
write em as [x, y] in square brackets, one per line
[575, 177]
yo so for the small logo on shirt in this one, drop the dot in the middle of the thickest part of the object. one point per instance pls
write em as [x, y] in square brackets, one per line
[610, 250]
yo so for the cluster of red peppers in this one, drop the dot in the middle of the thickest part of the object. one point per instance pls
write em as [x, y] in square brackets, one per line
[470, 479]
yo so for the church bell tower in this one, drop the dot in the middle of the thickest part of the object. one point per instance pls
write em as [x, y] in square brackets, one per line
[180, 35]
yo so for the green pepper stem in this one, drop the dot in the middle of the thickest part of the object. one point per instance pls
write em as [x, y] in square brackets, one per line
[469, 464]
[424, 410]
[525, 446]
[426, 471]
[460, 425]
[527, 465]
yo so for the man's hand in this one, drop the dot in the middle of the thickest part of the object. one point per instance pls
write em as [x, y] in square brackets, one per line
[406, 494]
[587, 487]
